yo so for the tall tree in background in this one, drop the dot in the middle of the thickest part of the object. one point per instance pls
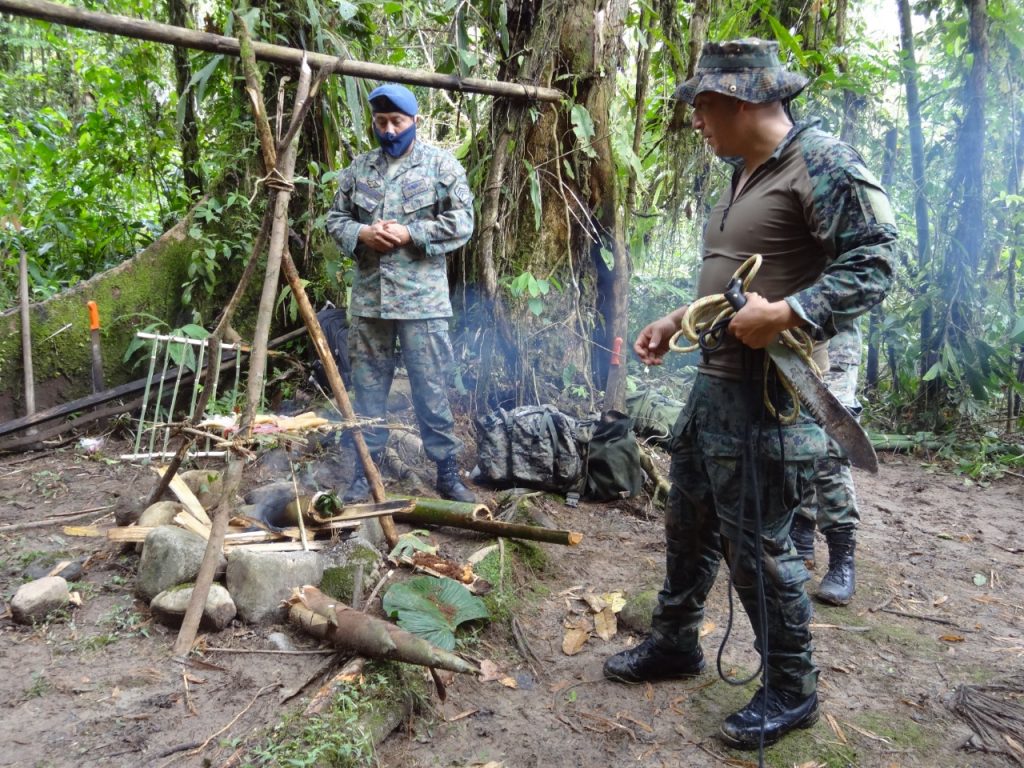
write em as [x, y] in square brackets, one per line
[908, 61]
[179, 15]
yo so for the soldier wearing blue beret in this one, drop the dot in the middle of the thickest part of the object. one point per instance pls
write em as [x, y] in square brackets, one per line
[399, 211]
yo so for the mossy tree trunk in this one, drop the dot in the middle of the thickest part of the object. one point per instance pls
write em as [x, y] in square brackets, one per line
[551, 206]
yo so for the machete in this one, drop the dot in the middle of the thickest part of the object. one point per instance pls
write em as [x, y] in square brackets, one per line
[838, 423]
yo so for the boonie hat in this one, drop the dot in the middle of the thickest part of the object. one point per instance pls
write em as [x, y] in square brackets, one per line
[393, 98]
[747, 69]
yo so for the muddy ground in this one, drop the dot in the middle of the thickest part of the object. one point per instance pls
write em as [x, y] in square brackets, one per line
[939, 604]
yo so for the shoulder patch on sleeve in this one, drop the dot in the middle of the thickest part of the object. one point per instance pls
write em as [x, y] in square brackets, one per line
[873, 198]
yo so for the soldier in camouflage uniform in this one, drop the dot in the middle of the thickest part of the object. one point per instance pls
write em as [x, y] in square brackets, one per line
[806, 202]
[399, 210]
[829, 499]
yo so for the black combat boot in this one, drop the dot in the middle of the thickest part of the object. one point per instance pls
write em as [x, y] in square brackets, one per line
[449, 484]
[359, 489]
[783, 711]
[839, 584]
[647, 661]
[802, 534]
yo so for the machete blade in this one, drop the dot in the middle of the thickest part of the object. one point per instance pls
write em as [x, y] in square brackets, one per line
[833, 417]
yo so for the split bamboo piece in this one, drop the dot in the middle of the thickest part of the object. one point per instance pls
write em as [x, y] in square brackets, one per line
[471, 517]
[180, 489]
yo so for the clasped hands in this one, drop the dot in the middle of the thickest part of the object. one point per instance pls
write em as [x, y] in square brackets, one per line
[756, 325]
[384, 235]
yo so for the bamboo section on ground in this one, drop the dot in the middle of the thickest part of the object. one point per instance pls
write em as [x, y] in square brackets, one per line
[472, 517]
[347, 629]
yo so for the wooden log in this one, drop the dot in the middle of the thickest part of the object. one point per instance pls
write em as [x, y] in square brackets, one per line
[460, 515]
[204, 41]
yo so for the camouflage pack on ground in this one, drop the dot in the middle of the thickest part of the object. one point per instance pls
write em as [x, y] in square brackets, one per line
[653, 416]
[533, 445]
[538, 446]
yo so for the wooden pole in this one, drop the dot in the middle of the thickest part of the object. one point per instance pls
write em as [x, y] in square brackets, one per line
[458, 515]
[26, 335]
[204, 41]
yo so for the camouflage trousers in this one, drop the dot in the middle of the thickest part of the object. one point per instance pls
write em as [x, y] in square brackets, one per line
[427, 354]
[728, 465]
[829, 499]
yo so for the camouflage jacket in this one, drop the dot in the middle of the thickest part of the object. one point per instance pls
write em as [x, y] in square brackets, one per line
[855, 224]
[428, 193]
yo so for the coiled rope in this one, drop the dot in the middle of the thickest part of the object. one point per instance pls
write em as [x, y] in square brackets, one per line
[704, 323]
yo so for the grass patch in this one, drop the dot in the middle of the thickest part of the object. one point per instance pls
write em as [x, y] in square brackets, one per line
[903, 732]
[345, 735]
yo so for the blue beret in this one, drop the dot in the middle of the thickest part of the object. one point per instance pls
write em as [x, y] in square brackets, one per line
[393, 98]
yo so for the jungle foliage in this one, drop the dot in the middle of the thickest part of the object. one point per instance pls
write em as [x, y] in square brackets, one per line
[608, 183]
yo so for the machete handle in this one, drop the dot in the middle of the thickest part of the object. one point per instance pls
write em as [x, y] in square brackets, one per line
[94, 316]
[734, 294]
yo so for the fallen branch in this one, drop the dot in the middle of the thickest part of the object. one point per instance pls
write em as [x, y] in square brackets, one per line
[935, 619]
[55, 520]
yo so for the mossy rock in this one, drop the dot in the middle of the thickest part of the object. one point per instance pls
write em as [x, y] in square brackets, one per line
[638, 611]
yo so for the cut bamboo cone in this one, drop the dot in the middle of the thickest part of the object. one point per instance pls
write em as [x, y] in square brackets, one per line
[476, 517]
[348, 629]
[205, 41]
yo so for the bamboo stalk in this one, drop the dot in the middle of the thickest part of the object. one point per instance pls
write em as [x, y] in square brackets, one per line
[204, 41]
[26, 334]
[461, 515]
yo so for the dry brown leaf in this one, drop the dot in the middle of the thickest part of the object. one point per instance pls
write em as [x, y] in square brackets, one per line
[561, 685]
[707, 627]
[939, 600]
[594, 602]
[836, 729]
[615, 600]
[509, 682]
[952, 638]
[574, 640]
[605, 624]
[489, 671]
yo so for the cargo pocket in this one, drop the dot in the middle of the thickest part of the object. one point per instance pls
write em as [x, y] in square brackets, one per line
[419, 199]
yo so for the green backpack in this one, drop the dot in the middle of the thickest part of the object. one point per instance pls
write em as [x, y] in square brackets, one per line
[612, 466]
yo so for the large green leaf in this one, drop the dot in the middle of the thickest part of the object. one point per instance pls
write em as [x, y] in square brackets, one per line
[433, 608]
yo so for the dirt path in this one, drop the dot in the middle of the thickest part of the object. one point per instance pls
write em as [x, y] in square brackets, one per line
[98, 688]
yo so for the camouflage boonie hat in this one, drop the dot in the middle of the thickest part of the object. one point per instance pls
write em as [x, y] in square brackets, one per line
[747, 69]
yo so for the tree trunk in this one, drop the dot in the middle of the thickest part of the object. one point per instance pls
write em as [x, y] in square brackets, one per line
[877, 313]
[967, 201]
[555, 202]
[178, 16]
[909, 66]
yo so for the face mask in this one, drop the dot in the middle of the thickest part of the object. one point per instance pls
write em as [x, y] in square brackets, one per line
[396, 144]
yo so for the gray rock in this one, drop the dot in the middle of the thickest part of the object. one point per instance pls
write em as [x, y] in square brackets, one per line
[72, 571]
[281, 641]
[37, 599]
[636, 614]
[260, 581]
[170, 605]
[171, 556]
[206, 484]
[161, 513]
[341, 563]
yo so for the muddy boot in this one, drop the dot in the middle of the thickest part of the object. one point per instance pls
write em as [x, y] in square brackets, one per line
[359, 489]
[839, 584]
[802, 534]
[449, 484]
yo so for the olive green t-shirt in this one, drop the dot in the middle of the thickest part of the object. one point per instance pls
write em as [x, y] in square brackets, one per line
[766, 217]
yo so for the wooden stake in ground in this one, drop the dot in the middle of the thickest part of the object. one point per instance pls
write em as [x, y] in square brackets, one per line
[258, 359]
[26, 335]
